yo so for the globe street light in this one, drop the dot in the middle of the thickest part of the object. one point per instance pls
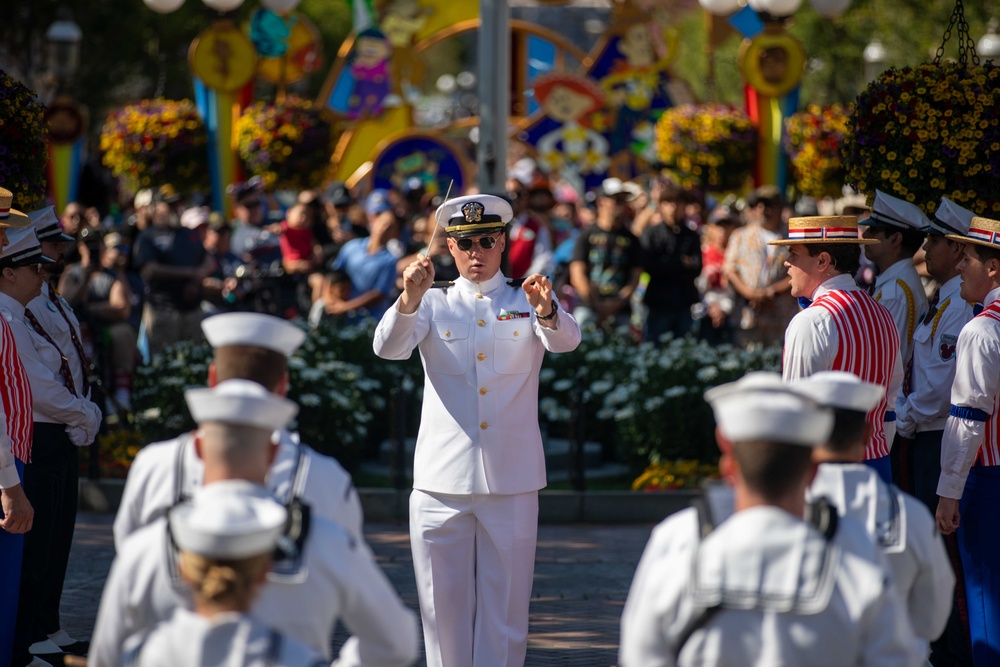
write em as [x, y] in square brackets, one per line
[874, 57]
[988, 46]
[64, 38]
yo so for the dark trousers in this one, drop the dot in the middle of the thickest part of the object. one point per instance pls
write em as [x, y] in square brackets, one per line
[51, 484]
[659, 322]
[952, 648]
[11, 547]
[979, 545]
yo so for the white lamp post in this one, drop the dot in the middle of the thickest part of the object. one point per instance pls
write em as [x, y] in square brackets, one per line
[988, 46]
[63, 39]
[874, 57]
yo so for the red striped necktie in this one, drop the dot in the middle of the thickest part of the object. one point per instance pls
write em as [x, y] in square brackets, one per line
[72, 335]
[64, 368]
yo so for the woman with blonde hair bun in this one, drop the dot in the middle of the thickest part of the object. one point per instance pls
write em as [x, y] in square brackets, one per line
[226, 536]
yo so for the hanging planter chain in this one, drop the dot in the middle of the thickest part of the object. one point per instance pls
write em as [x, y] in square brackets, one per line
[966, 45]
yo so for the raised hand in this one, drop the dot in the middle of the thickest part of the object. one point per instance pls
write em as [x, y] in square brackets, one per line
[417, 279]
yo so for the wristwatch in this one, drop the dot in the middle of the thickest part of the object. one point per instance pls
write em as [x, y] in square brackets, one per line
[552, 313]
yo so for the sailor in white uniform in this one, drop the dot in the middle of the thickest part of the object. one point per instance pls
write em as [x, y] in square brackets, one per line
[254, 347]
[226, 536]
[764, 587]
[900, 227]
[899, 524]
[479, 462]
[325, 574]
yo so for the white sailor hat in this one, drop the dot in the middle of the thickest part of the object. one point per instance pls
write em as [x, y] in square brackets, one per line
[10, 217]
[760, 407]
[47, 225]
[893, 213]
[950, 218]
[231, 519]
[240, 402]
[23, 248]
[839, 389]
[472, 215]
[254, 330]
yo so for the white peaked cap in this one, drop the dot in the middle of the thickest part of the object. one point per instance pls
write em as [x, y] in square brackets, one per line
[950, 218]
[231, 519]
[47, 225]
[240, 402]
[254, 330]
[839, 389]
[895, 213]
[474, 214]
[760, 407]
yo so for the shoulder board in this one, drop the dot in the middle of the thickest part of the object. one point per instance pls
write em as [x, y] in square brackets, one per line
[515, 282]
[442, 284]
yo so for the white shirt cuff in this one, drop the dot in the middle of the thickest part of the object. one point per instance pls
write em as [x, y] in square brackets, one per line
[9, 477]
[950, 486]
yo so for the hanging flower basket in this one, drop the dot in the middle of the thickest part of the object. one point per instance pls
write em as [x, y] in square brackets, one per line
[920, 133]
[156, 142]
[22, 143]
[711, 147]
[813, 141]
[289, 144]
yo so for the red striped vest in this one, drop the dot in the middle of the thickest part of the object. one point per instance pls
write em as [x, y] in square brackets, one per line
[869, 344]
[989, 451]
[15, 396]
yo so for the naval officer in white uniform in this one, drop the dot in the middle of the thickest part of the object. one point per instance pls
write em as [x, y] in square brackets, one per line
[249, 346]
[764, 587]
[479, 462]
[325, 575]
[899, 524]
[227, 536]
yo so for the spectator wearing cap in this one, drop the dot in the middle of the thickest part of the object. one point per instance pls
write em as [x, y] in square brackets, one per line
[841, 328]
[325, 573]
[478, 463]
[755, 270]
[63, 420]
[369, 262]
[529, 249]
[220, 286]
[252, 240]
[141, 209]
[901, 228]
[607, 259]
[969, 486]
[672, 258]
[99, 288]
[172, 261]
[899, 524]
[226, 538]
[15, 435]
[764, 586]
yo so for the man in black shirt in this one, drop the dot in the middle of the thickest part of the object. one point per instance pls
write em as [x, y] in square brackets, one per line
[607, 259]
[173, 262]
[672, 258]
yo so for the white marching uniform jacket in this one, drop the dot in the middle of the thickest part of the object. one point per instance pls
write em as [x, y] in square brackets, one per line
[935, 342]
[52, 401]
[900, 290]
[333, 578]
[481, 348]
[971, 432]
[905, 531]
[165, 473]
[764, 588]
[231, 639]
[61, 330]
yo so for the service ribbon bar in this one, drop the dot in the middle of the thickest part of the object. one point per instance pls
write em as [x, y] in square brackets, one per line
[983, 235]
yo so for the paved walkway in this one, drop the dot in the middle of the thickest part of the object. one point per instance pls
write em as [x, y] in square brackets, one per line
[582, 574]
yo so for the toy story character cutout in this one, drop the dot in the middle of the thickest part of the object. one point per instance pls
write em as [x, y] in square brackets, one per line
[290, 47]
[403, 21]
[570, 146]
[632, 68]
[365, 87]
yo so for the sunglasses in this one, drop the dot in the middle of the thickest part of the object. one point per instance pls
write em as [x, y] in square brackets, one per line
[485, 242]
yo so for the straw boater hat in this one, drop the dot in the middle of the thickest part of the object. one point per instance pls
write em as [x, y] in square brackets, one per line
[982, 231]
[11, 217]
[823, 229]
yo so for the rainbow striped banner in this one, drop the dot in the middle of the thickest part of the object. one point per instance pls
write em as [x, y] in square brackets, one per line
[220, 111]
[769, 114]
[63, 171]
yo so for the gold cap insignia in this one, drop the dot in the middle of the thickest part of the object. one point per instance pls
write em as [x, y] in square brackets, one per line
[473, 211]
